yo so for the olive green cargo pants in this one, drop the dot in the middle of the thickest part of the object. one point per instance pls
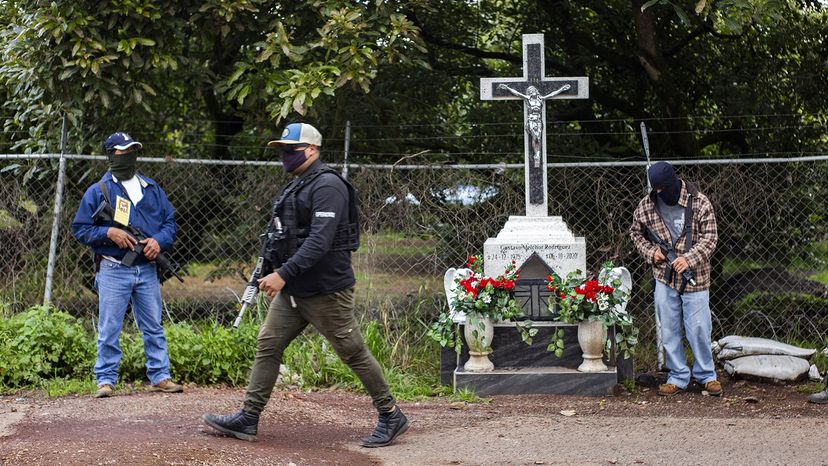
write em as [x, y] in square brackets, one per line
[333, 316]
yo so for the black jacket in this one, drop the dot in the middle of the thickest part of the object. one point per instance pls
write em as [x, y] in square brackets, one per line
[321, 206]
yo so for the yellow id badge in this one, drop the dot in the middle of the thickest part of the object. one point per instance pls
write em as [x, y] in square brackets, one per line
[122, 208]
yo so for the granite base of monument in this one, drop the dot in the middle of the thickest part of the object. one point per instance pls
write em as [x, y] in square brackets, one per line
[553, 380]
[531, 369]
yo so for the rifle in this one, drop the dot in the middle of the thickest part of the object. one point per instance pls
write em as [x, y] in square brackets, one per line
[264, 266]
[670, 253]
[105, 214]
[252, 288]
[646, 142]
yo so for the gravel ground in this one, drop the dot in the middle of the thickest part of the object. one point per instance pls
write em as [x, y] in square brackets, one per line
[752, 424]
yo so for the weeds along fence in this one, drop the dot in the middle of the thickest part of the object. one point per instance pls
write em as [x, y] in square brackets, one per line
[770, 267]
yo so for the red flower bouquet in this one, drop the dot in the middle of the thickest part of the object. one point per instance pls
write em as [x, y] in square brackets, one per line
[478, 295]
[580, 300]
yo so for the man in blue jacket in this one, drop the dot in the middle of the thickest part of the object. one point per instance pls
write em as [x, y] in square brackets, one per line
[139, 202]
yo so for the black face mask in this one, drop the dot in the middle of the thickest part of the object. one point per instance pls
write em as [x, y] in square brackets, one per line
[292, 159]
[662, 176]
[123, 165]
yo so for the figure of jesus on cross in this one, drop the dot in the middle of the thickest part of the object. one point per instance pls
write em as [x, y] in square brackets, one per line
[534, 120]
[534, 89]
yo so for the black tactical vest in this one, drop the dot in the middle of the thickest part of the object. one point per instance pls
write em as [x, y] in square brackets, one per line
[284, 228]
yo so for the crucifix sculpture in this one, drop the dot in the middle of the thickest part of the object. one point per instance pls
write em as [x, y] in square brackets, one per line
[534, 89]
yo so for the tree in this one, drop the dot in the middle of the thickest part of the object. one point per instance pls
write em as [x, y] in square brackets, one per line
[683, 71]
[145, 62]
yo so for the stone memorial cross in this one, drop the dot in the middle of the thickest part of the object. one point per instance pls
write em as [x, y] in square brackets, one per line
[534, 89]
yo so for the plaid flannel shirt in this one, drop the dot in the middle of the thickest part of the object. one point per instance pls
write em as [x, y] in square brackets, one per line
[704, 239]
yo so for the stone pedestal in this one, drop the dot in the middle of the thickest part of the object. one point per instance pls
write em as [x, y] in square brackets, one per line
[522, 369]
[553, 380]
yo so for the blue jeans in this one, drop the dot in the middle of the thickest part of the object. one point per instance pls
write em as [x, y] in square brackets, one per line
[690, 312]
[117, 285]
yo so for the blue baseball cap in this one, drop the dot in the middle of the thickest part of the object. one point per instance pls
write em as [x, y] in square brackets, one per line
[120, 141]
[298, 133]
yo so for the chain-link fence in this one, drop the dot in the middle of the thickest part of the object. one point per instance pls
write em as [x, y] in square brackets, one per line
[770, 267]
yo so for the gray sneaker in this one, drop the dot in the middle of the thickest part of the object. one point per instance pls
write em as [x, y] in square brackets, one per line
[819, 398]
[104, 391]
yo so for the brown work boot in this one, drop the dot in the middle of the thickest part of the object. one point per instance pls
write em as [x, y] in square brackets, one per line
[167, 386]
[104, 391]
[668, 389]
[714, 388]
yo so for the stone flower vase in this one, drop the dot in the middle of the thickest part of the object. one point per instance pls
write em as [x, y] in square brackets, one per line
[480, 346]
[592, 337]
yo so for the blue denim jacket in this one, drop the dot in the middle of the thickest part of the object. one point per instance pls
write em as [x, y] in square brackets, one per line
[154, 216]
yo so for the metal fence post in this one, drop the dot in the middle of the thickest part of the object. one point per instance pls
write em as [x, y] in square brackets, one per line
[347, 148]
[50, 268]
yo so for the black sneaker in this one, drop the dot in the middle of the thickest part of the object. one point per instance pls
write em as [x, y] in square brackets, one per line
[242, 425]
[819, 398]
[389, 426]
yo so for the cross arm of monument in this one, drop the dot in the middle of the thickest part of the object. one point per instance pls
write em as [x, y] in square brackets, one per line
[578, 88]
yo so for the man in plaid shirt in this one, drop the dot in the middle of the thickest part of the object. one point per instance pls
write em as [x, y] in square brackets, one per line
[678, 301]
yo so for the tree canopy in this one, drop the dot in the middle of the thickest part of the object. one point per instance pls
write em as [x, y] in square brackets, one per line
[216, 78]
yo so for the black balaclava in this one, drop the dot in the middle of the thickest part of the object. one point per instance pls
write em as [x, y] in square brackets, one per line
[662, 176]
[123, 165]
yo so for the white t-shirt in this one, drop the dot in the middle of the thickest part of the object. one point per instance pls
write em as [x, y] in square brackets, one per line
[134, 189]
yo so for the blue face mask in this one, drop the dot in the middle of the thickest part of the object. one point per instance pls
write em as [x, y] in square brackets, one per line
[292, 159]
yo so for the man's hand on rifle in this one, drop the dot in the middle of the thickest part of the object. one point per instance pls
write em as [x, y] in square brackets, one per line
[151, 248]
[680, 264]
[271, 284]
[121, 238]
[658, 257]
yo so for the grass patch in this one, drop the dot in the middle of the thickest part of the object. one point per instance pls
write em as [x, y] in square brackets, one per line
[468, 396]
[398, 244]
[816, 264]
[820, 359]
[646, 358]
[821, 277]
[200, 269]
[810, 388]
[383, 285]
[60, 386]
[731, 266]
[55, 352]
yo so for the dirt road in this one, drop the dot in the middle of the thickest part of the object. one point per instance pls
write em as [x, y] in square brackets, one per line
[775, 426]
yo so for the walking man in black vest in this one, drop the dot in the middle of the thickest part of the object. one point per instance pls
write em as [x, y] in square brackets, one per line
[679, 217]
[313, 284]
